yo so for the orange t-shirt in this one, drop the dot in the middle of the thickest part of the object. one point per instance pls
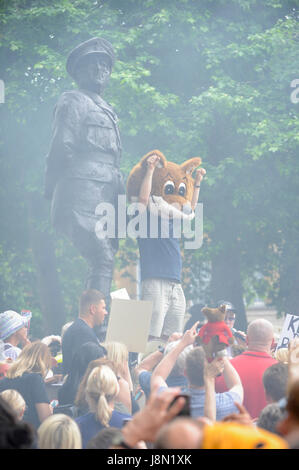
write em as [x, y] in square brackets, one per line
[230, 435]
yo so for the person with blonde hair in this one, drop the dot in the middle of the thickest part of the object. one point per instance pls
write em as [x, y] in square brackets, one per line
[5, 364]
[59, 431]
[118, 354]
[101, 391]
[123, 397]
[281, 355]
[14, 434]
[26, 375]
[15, 401]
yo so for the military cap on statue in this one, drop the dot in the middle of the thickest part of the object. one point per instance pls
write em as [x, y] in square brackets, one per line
[94, 46]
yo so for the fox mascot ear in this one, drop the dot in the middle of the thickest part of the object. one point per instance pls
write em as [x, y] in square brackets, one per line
[189, 166]
[137, 173]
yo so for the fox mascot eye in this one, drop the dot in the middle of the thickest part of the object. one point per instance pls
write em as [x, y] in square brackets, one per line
[182, 189]
[169, 187]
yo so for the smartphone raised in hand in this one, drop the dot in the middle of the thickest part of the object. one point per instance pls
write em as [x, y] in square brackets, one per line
[185, 411]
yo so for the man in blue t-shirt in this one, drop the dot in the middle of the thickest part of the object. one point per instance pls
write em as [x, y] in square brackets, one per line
[161, 263]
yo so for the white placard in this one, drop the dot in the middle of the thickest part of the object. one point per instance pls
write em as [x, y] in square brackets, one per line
[120, 294]
[129, 323]
[290, 330]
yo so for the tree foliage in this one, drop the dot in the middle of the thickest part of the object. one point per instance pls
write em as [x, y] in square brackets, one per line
[191, 78]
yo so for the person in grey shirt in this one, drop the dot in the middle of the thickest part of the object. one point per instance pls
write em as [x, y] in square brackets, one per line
[195, 363]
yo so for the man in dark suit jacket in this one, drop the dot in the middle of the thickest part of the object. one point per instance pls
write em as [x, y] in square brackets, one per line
[92, 312]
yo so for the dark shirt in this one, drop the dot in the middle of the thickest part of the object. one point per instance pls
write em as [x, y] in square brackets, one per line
[89, 426]
[77, 334]
[67, 393]
[32, 388]
[160, 258]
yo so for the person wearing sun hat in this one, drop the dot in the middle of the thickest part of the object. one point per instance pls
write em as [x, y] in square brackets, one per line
[13, 332]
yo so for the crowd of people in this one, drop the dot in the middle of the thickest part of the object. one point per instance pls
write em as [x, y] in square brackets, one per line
[73, 392]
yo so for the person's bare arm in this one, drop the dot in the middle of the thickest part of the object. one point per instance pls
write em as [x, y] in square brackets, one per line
[149, 362]
[146, 185]
[124, 395]
[54, 379]
[127, 375]
[198, 178]
[44, 410]
[211, 371]
[164, 368]
[146, 423]
[232, 379]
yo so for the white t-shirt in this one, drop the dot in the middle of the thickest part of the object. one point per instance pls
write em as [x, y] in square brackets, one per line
[11, 352]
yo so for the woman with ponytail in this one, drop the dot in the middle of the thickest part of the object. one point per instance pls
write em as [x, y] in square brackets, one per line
[118, 353]
[101, 390]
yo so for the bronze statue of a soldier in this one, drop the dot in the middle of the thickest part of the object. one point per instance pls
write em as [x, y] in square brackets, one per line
[83, 162]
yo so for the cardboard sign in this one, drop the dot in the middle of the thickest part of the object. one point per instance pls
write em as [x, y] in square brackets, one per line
[120, 294]
[290, 330]
[129, 323]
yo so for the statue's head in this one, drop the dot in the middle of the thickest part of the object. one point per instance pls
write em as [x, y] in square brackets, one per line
[90, 64]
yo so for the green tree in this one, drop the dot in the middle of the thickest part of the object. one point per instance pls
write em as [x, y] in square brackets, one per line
[191, 78]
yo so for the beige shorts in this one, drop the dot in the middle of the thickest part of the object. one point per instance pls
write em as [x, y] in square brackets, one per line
[169, 306]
